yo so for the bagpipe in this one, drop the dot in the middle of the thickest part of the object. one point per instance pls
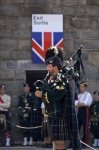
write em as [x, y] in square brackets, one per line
[69, 72]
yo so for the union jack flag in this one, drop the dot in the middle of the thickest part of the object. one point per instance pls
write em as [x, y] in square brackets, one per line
[41, 41]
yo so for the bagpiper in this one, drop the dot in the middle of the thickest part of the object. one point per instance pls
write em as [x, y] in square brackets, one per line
[59, 102]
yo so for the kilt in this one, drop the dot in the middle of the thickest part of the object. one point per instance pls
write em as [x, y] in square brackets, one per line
[58, 128]
[5, 120]
[94, 119]
[26, 121]
[94, 128]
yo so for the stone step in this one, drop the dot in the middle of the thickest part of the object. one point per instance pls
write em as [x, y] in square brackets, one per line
[31, 148]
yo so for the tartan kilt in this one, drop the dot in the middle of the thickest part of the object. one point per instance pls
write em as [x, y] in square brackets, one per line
[55, 127]
[25, 121]
[5, 119]
[94, 128]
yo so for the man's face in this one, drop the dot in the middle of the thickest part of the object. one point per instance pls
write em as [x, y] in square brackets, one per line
[26, 89]
[96, 97]
[83, 88]
[50, 68]
[2, 91]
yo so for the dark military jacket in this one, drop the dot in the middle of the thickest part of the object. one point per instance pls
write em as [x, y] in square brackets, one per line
[25, 106]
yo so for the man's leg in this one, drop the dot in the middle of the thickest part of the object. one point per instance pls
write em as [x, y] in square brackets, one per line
[85, 126]
[8, 129]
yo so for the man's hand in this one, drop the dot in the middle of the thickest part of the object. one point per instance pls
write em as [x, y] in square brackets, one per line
[38, 93]
[39, 83]
[79, 104]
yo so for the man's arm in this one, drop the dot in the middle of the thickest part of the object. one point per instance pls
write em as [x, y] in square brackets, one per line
[87, 102]
[79, 104]
[6, 103]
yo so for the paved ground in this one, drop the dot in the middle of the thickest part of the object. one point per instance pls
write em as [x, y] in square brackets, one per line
[30, 148]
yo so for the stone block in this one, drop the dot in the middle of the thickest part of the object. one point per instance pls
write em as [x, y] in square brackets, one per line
[84, 23]
[68, 35]
[91, 71]
[93, 85]
[94, 23]
[22, 65]
[7, 74]
[11, 65]
[24, 23]
[74, 2]
[69, 45]
[22, 54]
[8, 44]
[11, 2]
[6, 33]
[29, 65]
[25, 64]
[44, 2]
[91, 45]
[66, 10]
[87, 34]
[20, 74]
[92, 2]
[25, 44]
[37, 2]
[94, 58]
[28, 10]
[66, 22]
[11, 22]
[2, 22]
[5, 55]
[8, 23]
[79, 23]
[2, 65]
[87, 11]
[22, 34]
[8, 10]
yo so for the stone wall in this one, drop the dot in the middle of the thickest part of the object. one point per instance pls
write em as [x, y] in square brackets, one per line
[81, 27]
